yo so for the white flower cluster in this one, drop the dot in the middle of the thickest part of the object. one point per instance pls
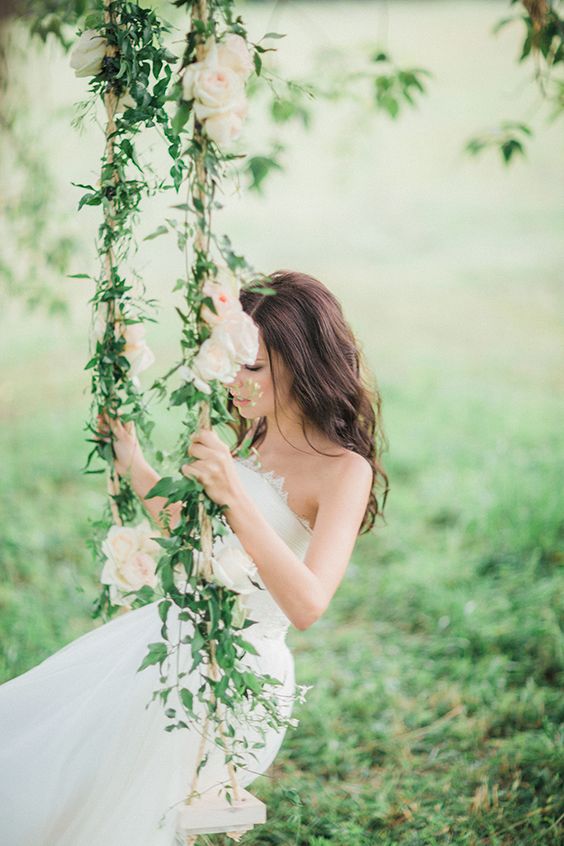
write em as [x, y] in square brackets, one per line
[87, 59]
[88, 53]
[234, 338]
[231, 566]
[217, 86]
[131, 554]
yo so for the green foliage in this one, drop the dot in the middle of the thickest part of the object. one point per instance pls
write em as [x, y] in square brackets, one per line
[396, 86]
[436, 710]
[543, 46]
[136, 63]
[508, 139]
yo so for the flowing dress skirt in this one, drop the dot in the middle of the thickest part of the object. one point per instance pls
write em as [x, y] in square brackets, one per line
[84, 757]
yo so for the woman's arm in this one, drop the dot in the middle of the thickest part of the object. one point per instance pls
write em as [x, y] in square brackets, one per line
[143, 477]
[132, 464]
[304, 589]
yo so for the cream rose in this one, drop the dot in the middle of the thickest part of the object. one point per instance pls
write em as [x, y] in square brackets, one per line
[233, 53]
[227, 279]
[224, 128]
[214, 88]
[188, 375]
[244, 336]
[218, 90]
[216, 358]
[136, 350]
[231, 565]
[225, 296]
[131, 553]
[88, 53]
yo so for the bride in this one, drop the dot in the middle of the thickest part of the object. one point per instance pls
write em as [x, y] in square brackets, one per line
[84, 757]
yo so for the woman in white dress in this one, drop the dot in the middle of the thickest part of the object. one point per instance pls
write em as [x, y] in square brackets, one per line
[84, 757]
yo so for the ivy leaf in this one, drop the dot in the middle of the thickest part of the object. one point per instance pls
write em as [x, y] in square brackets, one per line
[246, 645]
[163, 487]
[89, 200]
[187, 698]
[163, 609]
[259, 167]
[510, 147]
[160, 230]
[181, 116]
[156, 655]
[197, 642]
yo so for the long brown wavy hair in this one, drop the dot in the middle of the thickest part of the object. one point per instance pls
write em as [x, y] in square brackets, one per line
[304, 323]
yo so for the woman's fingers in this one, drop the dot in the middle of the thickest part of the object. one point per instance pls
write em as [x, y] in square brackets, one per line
[190, 470]
[197, 449]
[107, 424]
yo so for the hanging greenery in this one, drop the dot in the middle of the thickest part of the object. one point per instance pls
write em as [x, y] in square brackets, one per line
[194, 566]
[543, 46]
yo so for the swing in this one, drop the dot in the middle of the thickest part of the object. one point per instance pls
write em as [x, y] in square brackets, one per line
[211, 812]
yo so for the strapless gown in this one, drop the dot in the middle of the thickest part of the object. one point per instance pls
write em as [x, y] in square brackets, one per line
[84, 757]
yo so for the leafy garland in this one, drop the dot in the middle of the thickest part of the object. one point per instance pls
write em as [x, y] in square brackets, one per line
[122, 52]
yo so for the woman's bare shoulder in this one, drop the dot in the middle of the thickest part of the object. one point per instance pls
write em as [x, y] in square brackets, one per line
[346, 462]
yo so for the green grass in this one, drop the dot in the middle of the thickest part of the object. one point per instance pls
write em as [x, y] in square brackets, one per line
[436, 711]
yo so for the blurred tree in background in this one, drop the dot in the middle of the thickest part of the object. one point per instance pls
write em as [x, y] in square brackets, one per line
[34, 223]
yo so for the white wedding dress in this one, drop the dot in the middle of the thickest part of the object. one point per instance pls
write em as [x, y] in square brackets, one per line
[84, 757]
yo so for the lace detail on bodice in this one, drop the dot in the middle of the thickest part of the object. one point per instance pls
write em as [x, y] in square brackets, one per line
[278, 483]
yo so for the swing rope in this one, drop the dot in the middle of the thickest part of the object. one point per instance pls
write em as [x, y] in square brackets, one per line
[110, 103]
[200, 12]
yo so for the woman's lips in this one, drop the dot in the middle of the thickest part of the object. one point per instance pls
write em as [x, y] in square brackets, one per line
[240, 401]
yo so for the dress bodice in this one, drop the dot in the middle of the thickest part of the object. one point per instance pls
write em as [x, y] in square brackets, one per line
[267, 491]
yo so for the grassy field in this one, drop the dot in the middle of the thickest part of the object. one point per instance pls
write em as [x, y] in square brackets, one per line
[436, 712]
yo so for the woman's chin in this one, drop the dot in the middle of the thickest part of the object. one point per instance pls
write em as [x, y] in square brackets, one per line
[247, 410]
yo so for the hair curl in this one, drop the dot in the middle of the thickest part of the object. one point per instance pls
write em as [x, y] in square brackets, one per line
[304, 323]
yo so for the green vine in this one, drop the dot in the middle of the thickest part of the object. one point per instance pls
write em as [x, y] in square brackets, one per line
[121, 51]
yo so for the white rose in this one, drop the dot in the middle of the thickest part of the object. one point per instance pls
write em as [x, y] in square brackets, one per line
[133, 574]
[233, 53]
[225, 299]
[88, 53]
[227, 279]
[188, 375]
[215, 89]
[146, 538]
[131, 553]
[232, 567]
[218, 90]
[179, 573]
[120, 543]
[244, 335]
[216, 358]
[136, 350]
[223, 128]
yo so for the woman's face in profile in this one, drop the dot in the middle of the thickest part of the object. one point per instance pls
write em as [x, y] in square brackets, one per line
[253, 386]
